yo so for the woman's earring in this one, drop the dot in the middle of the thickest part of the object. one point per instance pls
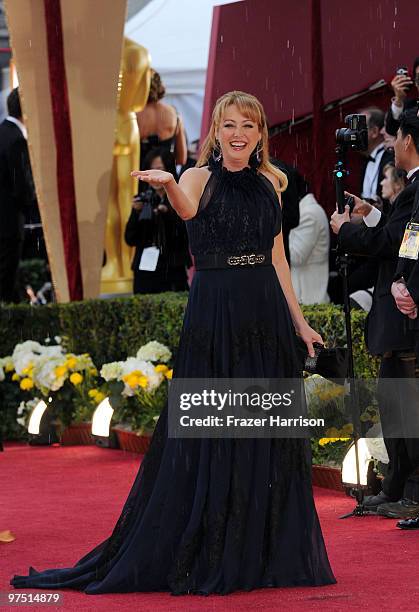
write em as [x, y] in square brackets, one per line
[259, 151]
[217, 154]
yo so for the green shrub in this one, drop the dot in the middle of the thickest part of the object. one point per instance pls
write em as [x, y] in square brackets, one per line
[23, 322]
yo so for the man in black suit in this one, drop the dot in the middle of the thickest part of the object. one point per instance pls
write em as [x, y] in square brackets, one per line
[16, 193]
[405, 289]
[379, 236]
[401, 85]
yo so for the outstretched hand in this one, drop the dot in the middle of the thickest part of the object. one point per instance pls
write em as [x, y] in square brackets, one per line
[154, 177]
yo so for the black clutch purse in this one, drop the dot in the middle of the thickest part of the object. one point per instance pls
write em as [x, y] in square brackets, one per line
[331, 363]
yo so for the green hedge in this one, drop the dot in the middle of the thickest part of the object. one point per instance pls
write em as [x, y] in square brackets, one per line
[113, 329]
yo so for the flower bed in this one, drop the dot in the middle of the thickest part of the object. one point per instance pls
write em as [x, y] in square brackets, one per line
[70, 387]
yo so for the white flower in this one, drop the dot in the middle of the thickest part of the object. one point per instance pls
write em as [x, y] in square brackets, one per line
[30, 352]
[57, 339]
[44, 375]
[112, 371]
[2, 376]
[154, 351]
[24, 354]
[133, 364]
[55, 350]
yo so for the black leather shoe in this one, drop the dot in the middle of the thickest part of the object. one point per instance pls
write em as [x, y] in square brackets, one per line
[404, 508]
[411, 523]
[371, 502]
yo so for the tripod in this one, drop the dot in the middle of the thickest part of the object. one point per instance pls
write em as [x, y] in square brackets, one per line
[339, 174]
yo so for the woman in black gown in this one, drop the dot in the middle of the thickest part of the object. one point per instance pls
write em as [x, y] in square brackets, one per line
[217, 515]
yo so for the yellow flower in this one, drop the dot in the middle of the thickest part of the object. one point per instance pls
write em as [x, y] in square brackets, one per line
[93, 393]
[26, 384]
[28, 369]
[169, 374]
[76, 378]
[71, 363]
[161, 368]
[16, 377]
[136, 373]
[143, 381]
[93, 371]
[9, 367]
[324, 441]
[131, 380]
[99, 397]
[60, 371]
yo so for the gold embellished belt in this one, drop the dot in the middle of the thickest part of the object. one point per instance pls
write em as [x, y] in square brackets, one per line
[208, 262]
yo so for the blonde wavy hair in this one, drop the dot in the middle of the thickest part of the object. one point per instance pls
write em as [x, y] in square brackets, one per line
[250, 107]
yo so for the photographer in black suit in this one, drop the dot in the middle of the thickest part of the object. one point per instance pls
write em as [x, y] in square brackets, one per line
[379, 236]
[402, 84]
[363, 272]
[16, 194]
[159, 235]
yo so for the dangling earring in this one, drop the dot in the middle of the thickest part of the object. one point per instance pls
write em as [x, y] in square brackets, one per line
[259, 151]
[217, 157]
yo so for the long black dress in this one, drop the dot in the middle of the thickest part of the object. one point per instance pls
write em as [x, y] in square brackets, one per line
[218, 515]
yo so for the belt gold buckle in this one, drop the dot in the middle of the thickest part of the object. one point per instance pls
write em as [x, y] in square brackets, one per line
[242, 260]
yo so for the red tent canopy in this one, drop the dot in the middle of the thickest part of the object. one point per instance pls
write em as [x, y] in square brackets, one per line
[298, 57]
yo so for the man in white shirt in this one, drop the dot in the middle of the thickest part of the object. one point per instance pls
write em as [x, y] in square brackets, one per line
[377, 154]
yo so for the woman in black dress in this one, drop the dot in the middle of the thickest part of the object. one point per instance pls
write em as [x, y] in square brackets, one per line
[160, 125]
[154, 224]
[219, 515]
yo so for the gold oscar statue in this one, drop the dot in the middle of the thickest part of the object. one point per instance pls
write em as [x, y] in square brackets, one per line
[133, 90]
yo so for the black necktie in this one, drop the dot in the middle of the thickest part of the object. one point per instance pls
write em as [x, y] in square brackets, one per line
[373, 159]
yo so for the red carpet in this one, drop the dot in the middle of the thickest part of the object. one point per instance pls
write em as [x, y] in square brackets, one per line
[60, 502]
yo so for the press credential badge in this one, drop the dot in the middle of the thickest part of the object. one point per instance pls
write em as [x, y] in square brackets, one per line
[409, 247]
[149, 259]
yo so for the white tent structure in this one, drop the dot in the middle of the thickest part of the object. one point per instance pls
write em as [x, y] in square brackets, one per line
[177, 35]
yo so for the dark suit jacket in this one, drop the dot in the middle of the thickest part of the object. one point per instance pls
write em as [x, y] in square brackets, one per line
[386, 328]
[392, 124]
[167, 231]
[387, 156]
[408, 268]
[16, 184]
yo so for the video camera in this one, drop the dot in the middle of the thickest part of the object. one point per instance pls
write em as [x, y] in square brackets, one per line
[150, 200]
[355, 136]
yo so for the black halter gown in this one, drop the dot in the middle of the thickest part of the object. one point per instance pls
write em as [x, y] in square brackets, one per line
[218, 515]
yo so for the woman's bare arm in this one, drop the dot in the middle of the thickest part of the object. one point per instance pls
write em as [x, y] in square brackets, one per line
[184, 197]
